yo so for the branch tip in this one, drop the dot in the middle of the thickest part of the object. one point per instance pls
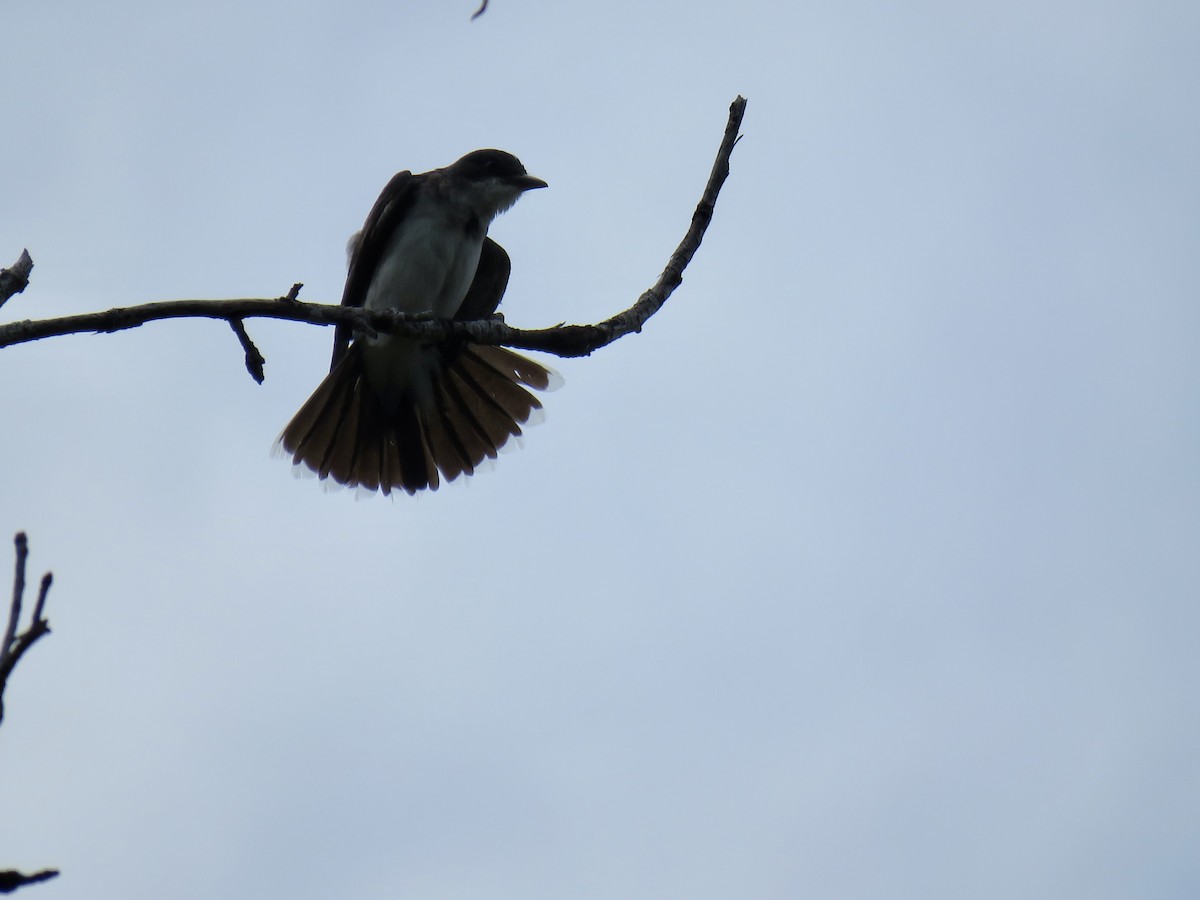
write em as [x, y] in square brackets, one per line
[254, 360]
[39, 609]
[11, 879]
[15, 278]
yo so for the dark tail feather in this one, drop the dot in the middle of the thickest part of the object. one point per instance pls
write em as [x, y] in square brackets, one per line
[479, 400]
[343, 433]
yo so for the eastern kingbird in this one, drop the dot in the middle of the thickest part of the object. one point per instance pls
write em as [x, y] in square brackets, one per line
[393, 411]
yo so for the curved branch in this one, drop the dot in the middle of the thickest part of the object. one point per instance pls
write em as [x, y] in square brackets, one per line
[561, 340]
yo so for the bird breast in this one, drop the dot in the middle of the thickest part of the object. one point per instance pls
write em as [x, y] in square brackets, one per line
[426, 267]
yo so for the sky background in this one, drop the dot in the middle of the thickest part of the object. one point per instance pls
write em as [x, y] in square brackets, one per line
[869, 569]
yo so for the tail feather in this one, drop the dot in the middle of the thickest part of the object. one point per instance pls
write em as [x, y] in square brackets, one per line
[478, 400]
[448, 456]
[488, 417]
[312, 429]
[403, 461]
[367, 459]
[388, 460]
[338, 462]
[482, 434]
[414, 470]
[430, 469]
[507, 397]
[470, 445]
[516, 367]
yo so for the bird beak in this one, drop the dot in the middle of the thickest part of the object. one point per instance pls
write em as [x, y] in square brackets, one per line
[527, 182]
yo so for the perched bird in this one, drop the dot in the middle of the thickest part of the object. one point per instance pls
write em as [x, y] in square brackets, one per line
[397, 413]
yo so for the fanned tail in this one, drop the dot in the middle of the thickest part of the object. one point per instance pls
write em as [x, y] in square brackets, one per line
[478, 400]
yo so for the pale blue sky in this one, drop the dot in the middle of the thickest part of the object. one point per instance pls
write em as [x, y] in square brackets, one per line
[868, 570]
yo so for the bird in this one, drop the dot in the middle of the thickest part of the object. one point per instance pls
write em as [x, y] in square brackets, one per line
[399, 414]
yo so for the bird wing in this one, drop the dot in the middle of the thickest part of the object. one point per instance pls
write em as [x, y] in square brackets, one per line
[491, 278]
[367, 247]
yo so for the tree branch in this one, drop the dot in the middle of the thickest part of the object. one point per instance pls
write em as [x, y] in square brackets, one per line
[254, 360]
[15, 279]
[11, 879]
[14, 645]
[561, 340]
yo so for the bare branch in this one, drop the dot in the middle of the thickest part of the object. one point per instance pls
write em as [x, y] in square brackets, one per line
[14, 645]
[254, 360]
[15, 279]
[43, 590]
[561, 340]
[11, 650]
[11, 879]
[479, 12]
[18, 591]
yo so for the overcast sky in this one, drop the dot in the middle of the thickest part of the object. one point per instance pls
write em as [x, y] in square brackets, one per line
[869, 569]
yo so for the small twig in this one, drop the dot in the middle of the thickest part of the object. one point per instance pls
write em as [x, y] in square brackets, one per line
[18, 591]
[14, 644]
[43, 590]
[479, 12]
[11, 879]
[293, 294]
[15, 279]
[562, 340]
[254, 359]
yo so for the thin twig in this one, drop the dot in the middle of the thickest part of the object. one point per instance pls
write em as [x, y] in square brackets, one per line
[561, 340]
[15, 645]
[11, 879]
[18, 591]
[479, 12]
[43, 589]
[15, 278]
[254, 359]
